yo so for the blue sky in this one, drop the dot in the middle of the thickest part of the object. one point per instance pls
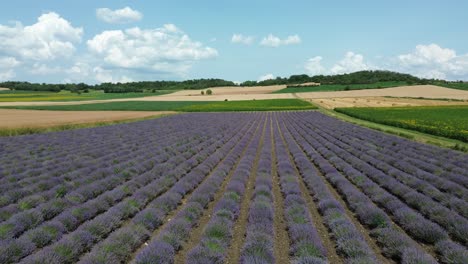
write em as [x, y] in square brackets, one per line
[111, 41]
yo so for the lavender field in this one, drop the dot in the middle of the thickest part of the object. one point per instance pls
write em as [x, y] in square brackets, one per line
[272, 187]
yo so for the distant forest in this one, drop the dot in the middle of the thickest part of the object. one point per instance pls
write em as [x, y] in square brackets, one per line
[361, 77]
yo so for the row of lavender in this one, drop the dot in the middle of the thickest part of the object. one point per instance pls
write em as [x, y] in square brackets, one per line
[420, 215]
[143, 203]
[76, 224]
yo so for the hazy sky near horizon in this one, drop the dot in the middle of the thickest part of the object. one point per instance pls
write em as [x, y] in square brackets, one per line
[112, 41]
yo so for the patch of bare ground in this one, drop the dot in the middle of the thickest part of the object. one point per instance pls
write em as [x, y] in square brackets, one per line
[229, 90]
[317, 220]
[197, 233]
[240, 227]
[426, 91]
[331, 103]
[12, 118]
[281, 245]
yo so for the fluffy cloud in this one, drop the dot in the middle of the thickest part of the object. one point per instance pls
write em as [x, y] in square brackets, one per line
[103, 75]
[8, 62]
[239, 38]
[433, 61]
[166, 49]
[352, 62]
[265, 77]
[118, 16]
[51, 37]
[6, 75]
[313, 66]
[274, 41]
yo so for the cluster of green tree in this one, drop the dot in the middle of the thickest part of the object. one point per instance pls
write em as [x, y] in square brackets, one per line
[361, 77]
[45, 87]
[139, 87]
[120, 87]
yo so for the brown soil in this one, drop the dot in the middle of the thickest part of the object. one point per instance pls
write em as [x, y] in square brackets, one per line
[322, 230]
[12, 118]
[372, 243]
[331, 103]
[197, 233]
[174, 212]
[240, 226]
[426, 91]
[281, 244]
[230, 90]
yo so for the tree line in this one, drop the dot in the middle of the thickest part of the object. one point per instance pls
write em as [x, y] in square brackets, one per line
[361, 77]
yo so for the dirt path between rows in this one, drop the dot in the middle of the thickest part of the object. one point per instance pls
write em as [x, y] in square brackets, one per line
[322, 230]
[197, 232]
[366, 235]
[240, 227]
[281, 245]
[174, 212]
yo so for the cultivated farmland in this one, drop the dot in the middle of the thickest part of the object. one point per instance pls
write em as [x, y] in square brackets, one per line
[258, 187]
[446, 121]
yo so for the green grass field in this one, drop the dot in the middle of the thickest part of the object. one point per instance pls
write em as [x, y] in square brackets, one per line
[183, 106]
[340, 87]
[63, 96]
[445, 121]
[453, 85]
[254, 105]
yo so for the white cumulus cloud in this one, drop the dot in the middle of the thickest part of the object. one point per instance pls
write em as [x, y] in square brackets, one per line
[265, 77]
[313, 66]
[352, 62]
[51, 37]
[103, 75]
[274, 41]
[239, 38]
[6, 75]
[433, 61]
[118, 16]
[8, 62]
[166, 49]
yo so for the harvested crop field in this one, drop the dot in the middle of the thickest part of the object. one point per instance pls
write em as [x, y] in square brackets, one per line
[426, 91]
[12, 118]
[230, 90]
[233, 188]
[331, 103]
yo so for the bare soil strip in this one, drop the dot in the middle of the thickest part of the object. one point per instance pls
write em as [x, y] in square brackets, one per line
[317, 220]
[174, 212]
[331, 103]
[230, 90]
[281, 245]
[426, 91]
[372, 243]
[428, 248]
[240, 226]
[197, 232]
[12, 118]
